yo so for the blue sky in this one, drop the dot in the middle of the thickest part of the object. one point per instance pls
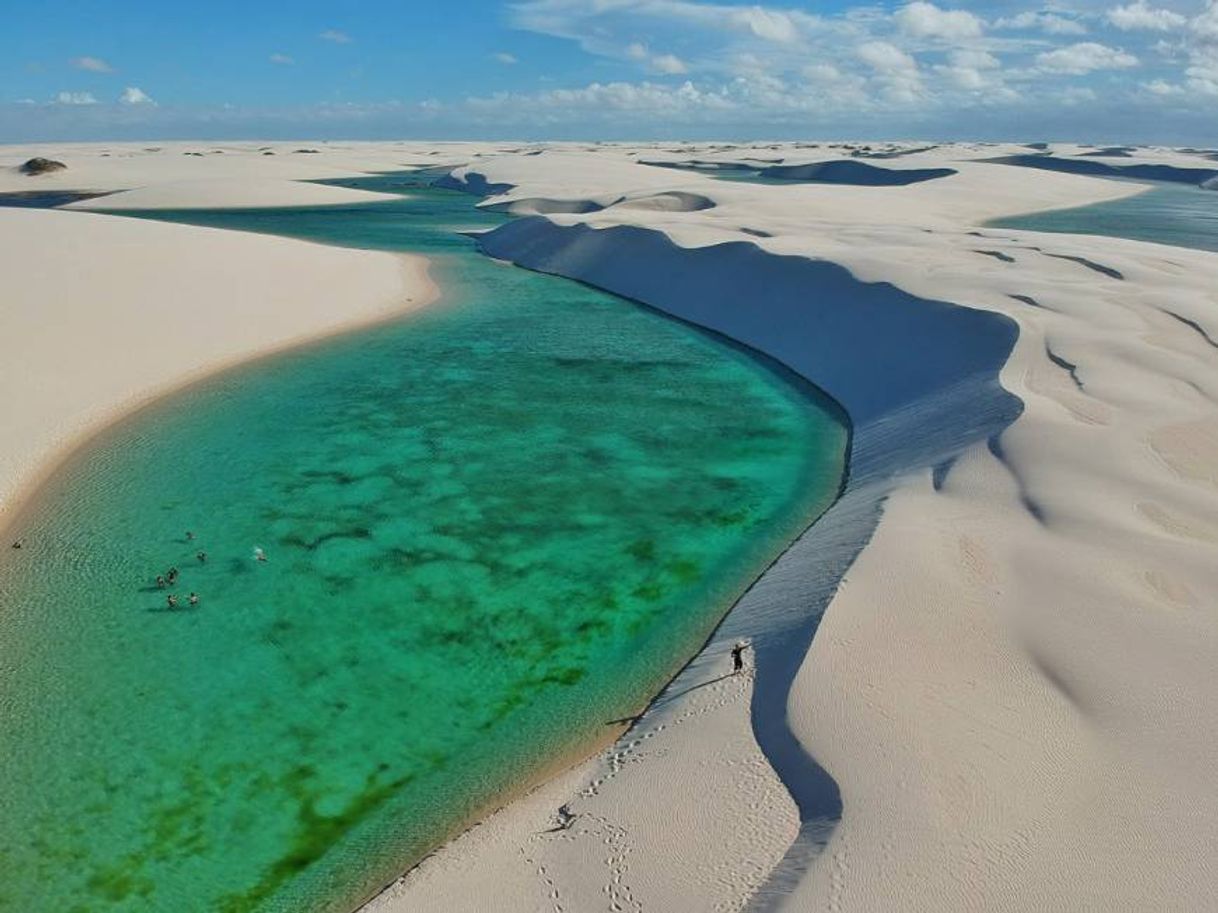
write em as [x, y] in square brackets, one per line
[1088, 70]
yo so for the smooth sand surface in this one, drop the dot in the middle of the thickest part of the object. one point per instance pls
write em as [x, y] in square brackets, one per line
[1012, 684]
[102, 313]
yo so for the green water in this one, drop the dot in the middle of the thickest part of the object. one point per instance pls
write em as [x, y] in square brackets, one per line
[1165, 214]
[491, 528]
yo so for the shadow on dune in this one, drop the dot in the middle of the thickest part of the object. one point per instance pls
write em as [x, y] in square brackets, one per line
[854, 173]
[1146, 172]
[918, 380]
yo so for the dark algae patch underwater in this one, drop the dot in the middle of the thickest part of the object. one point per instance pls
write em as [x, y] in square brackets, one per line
[490, 528]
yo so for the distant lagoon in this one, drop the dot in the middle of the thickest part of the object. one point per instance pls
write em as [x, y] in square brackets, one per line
[1165, 214]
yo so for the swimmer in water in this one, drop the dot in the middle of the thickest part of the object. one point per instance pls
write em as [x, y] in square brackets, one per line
[259, 554]
[202, 556]
[172, 601]
[194, 598]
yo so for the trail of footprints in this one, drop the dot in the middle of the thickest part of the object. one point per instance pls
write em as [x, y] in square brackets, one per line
[614, 837]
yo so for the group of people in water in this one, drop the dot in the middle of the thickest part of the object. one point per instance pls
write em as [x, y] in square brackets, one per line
[170, 577]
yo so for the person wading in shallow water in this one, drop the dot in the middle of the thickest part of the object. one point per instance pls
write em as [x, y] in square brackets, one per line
[738, 656]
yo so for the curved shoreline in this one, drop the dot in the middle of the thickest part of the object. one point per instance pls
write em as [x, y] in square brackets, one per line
[417, 289]
[888, 438]
[156, 399]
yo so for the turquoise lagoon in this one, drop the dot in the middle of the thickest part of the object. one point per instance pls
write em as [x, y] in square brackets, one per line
[492, 529]
[1164, 213]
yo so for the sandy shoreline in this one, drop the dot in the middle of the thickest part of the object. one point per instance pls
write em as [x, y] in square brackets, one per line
[47, 419]
[1015, 633]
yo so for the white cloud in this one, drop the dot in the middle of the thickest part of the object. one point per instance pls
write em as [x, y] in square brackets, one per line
[75, 98]
[505, 58]
[1163, 89]
[282, 59]
[974, 59]
[821, 73]
[133, 95]
[1140, 16]
[896, 72]
[644, 97]
[585, 20]
[886, 58]
[92, 64]
[925, 20]
[971, 70]
[668, 64]
[1049, 23]
[1085, 57]
[335, 36]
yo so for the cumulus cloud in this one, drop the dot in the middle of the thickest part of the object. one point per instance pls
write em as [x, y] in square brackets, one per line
[1085, 57]
[1163, 89]
[92, 64]
[75, 98]
[133, 95]
[642, 97]
[586, 20]
[505, 58]
[896, 72]
[669, 64]
[1049, 23]
[925, 20]
[971, 70]
[335, 36]
[282, 59]
[1140, 15]
[884, 57]
[974, 59]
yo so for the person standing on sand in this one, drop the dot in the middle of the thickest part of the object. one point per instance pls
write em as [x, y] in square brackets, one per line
[738, 656]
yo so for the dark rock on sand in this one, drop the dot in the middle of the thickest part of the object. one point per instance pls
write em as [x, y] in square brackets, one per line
[41, 166]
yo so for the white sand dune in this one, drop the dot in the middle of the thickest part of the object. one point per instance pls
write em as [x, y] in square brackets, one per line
[222, 193]
[1009, 696]
[101, 314]
[1011, 686]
